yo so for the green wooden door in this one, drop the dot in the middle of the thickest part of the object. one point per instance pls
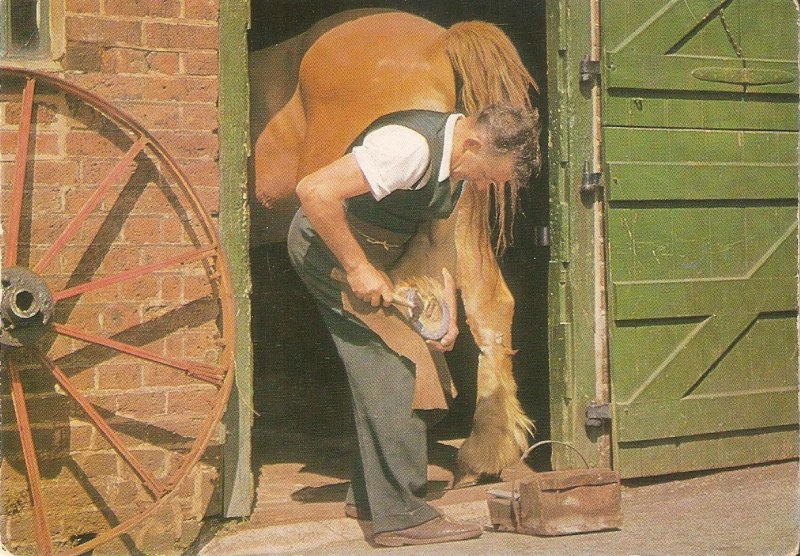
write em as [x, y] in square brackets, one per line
[700, 139]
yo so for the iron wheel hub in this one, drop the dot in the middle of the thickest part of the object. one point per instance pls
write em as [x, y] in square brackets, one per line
[26, 306]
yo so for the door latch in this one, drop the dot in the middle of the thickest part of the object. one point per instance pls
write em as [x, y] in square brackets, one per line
[590, 181]
[588, 70]
[597, 414]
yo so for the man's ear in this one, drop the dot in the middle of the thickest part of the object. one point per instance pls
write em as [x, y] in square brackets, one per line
[472, 144]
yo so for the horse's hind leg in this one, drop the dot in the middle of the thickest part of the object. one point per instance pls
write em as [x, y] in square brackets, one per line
[500, 428]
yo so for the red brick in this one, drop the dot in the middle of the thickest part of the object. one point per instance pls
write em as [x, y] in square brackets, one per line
[151, 459]
[179, 36]
[159, 253]
[150, 201]
[95, 170]
[200, 63]
[199, 117]
[96, 465]
[202, 9]
[102, 295]
[182, 89]
[43, 112]
[141, 230]
[83, 56]
[209, 198]
[171, 287]
[173, 344]
[144, 8]
[141, 288]
[80, 437]
[88, 143]
[163, 62]
[142, 404]
[46, 143]
[61, 172]
[156, 116]
[160, 532]
[119, 317]
[103, 31]
[165, 377]
[120, 258]
[202, 173]
[208, 354]
[46, 200]
[107, 403]
[75, 198]
[172, 230]
[83, 6]
[195, 287]
[191, 145]
[118, 376]
[46, 229]
[112, 87]
[123, 60]
[188, 426]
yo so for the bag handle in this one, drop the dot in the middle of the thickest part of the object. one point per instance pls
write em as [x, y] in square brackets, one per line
[542, 442]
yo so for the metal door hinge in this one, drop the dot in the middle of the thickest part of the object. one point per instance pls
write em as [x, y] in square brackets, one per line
[597, 414]
[590, 181]
[542, 237]
[588, 70]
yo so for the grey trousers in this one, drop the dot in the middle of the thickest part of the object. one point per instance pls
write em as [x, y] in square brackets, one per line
[390, 476]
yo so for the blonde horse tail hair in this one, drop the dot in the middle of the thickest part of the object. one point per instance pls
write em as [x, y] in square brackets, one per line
[488, 71]
[474, 46]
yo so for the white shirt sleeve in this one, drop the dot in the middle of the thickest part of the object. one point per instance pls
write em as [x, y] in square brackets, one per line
[392, 157]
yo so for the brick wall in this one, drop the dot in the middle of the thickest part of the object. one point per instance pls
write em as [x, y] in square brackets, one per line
[157, 60]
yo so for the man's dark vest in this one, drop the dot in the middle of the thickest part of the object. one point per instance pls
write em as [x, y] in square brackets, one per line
[403, 210]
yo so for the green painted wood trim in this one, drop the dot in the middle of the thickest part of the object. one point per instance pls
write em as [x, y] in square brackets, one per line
[644, 181]
[237, 476]
[641, 108]
[697, 415]
[570, 299]
[699, 297]
[668, 26]
[712, 451]
[679, 73]
[698, 145]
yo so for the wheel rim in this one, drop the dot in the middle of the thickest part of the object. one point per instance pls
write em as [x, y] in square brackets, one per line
[117, 316]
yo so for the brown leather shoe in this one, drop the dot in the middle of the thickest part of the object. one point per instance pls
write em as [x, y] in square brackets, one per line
[438, 529]
[351, 510]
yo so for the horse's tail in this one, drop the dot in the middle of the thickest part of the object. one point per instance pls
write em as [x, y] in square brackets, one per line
[488, 70]
[475, 47]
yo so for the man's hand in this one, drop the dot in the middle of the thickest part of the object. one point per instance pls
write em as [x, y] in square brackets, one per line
[371, 285]
[447, 342]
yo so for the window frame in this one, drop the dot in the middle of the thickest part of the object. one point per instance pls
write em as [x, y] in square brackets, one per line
[43, 50]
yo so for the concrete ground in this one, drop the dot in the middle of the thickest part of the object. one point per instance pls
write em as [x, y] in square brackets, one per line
[751, 510]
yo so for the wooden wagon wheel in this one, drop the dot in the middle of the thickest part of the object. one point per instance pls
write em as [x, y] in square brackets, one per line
[117, 320]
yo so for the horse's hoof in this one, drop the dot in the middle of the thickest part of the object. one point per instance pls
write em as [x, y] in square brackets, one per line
[465, 480]
[473, 479]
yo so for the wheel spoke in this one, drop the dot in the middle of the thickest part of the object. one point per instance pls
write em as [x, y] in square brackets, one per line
[94, 199]
[208, 373]
[43, 541]
[135, 273]
[18, 180]
[152, 484]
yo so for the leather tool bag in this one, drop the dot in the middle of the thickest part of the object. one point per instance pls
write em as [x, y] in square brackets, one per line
[560, 502]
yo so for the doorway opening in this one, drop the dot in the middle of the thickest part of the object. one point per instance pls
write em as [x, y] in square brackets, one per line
[304, 435]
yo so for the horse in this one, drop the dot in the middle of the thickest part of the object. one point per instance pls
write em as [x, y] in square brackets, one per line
[313, 94]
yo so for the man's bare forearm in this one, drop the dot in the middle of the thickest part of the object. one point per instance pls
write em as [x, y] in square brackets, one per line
[322, 195]
[327, 217]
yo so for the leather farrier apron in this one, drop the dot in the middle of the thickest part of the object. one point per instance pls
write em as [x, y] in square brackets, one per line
[383, 228]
